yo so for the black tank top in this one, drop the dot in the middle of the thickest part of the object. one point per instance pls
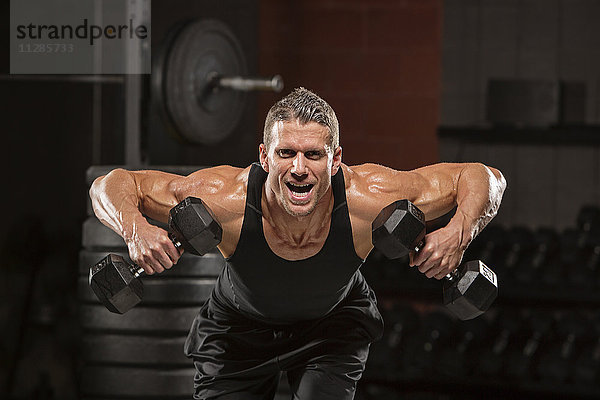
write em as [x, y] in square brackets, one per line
[263, 286]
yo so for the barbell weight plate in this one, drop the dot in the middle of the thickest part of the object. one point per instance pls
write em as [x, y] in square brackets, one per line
[164, 320]
[192, 108]
[208, 265]
[137, 382]
[164, 292]
[134, 350]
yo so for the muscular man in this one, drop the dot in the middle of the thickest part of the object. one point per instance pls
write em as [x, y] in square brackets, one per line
[296, 229]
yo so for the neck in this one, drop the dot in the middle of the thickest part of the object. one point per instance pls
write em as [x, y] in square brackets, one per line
[297, 230]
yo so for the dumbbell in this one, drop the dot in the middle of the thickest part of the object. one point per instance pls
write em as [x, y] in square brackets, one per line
[388, 355]
[588, 220]
[555, 269]
[556, 363]
[423, 348]
[491, 361]
[459, 359]
[546, 246]
[519, 361]
[114, 280]
[583, 271]
[586, 368]
[400, 228]
[520, 246]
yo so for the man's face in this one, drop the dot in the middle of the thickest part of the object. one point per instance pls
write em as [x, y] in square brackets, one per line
[300, 163]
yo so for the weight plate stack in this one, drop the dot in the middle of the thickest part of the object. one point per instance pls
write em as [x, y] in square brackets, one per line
[139, 355]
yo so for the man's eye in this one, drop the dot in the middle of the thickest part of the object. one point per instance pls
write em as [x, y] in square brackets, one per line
[286, 153]
[313, 155]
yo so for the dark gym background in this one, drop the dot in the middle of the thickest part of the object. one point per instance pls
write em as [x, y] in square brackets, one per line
[410, 82]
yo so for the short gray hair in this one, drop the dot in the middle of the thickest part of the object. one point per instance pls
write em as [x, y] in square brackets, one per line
[305, 106]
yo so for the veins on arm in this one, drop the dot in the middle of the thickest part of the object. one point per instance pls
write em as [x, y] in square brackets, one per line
[431, 189]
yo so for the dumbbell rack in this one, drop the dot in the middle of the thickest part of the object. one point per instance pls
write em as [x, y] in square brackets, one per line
[408, 362]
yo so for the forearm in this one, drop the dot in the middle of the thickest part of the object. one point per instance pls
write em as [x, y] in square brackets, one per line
[116, 203]
[479, 191]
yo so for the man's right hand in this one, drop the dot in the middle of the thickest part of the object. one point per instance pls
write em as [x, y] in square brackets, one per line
[150, 247]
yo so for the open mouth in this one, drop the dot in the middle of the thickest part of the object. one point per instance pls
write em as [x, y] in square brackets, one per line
[299, 192]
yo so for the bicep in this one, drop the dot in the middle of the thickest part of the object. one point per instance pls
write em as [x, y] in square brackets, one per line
[431, 188]
[435, 188]
[157, 192]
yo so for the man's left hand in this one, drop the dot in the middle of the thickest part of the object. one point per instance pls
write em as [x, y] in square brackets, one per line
[441, 254]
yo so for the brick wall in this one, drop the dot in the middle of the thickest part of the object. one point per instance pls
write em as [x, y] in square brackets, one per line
[376, 62]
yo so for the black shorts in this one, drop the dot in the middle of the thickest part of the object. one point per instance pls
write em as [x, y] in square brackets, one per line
[239, 358]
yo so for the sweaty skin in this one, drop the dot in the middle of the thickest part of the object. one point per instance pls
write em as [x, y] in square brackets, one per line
[297, 201]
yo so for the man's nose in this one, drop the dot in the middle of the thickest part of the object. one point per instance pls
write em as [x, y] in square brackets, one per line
[299, 165]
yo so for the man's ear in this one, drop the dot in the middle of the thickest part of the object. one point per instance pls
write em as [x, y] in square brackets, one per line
[262, 156]
[337, 160]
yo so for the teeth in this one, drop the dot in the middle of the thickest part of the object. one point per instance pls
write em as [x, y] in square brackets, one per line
[297, 194]
[301, 191]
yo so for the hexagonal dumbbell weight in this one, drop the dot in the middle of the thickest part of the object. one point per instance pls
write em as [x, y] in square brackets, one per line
[114, 280]
[467, 292]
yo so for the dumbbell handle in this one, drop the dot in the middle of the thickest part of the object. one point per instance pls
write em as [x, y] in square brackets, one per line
[451, 276]
[244, 83]
[140, 271]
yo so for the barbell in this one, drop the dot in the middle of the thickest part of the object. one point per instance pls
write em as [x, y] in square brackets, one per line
[200, 81]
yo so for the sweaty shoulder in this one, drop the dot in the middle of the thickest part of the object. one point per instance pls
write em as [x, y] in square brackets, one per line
[367, 192]
[365, 185]
[373, 180]
[222, 188]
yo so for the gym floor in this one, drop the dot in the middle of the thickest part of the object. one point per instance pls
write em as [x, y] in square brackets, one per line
[409, 83]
